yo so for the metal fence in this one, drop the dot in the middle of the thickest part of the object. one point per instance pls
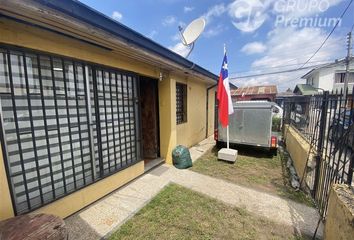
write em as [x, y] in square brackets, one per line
[326, 122]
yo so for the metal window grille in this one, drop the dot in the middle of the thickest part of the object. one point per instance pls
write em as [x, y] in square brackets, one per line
[181, 103]
[64, 125]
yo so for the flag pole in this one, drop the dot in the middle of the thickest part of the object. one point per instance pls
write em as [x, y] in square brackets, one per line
[227, 128]
[227, 137]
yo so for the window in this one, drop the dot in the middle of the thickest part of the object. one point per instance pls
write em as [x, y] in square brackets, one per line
[181, 103]
[340, 77]
[56, 140]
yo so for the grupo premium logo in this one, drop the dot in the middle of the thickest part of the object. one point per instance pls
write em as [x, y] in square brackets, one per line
[249, 15]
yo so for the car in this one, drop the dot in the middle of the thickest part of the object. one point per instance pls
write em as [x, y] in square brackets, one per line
[342, 125]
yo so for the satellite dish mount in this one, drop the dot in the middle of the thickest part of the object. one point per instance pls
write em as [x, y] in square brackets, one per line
[191, 33]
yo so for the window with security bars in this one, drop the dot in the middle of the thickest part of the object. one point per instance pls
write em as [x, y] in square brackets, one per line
[65, 124]
[181, 103]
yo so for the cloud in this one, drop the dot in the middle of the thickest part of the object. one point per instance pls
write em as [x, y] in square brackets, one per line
[180, 49]
[187, 9]
[214, 11]
[152, 34]
[253, 47]
[117, 16]
[169, 21]
[289, 48]
[213, 31]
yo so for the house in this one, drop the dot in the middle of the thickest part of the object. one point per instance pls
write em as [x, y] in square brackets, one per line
[306, 90]
[86, 102]
[283, 96]
[267, 93]
[330, 77]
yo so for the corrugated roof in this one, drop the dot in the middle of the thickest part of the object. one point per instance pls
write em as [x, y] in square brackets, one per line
[255, 90]
[305, 89]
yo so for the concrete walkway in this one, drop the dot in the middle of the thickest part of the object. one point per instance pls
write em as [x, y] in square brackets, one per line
[106, 215]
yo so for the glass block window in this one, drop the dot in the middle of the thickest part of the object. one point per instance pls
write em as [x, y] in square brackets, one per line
[181, 103]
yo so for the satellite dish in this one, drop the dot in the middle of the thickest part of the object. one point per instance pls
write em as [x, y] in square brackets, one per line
[191, 33]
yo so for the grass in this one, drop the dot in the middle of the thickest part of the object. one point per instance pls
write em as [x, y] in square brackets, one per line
[253, 168]
[180, 213]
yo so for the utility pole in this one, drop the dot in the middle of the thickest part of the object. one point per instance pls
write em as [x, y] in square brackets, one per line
[348, 58]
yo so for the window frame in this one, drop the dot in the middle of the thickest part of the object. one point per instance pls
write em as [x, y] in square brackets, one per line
[181, 93]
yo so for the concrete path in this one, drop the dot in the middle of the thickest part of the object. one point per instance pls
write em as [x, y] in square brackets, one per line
[106, 215]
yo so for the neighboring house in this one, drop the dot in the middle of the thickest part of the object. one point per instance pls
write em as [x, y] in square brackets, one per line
[306, 90]
[283, 96]
[267, 93]
[330, 77]
[84, 101]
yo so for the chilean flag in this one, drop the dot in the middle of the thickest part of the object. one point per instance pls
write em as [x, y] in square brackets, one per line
[224, 95]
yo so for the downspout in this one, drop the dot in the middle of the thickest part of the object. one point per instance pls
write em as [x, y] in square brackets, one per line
[207, 109]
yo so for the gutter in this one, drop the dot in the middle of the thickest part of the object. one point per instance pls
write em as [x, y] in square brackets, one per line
[80, 11]
[207, 109]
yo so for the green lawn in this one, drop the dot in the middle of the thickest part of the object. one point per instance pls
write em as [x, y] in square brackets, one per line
[253, 168]
[180, 213]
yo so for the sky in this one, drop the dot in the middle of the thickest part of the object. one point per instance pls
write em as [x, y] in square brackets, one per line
[261, 36]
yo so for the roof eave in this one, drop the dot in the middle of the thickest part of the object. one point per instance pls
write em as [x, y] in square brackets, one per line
[96, 19]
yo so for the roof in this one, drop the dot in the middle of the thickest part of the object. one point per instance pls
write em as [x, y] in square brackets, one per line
[233, 86]
[305, 89]
[285, 94]
[92, 17]
[329, 65]
[253, 104]
[255, 90]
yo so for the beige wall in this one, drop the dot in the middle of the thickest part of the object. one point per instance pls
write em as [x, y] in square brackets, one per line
[340, 216]
[298, 149]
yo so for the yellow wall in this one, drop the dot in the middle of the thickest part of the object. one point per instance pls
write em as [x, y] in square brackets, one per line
[211, 111]
[72, 203]
[22, 35]
[193, 131]
[6, 210]
[298, 149]
[167, 112]
[340, 216]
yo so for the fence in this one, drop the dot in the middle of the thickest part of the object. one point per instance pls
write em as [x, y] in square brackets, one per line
[326, 122]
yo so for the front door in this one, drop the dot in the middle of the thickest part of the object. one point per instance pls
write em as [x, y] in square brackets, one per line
[149, 117]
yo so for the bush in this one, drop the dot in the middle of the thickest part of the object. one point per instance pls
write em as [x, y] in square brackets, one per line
[276, 124]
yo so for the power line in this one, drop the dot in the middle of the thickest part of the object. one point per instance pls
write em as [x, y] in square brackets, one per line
[278, 72]
[280, 66]
[323, 43]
